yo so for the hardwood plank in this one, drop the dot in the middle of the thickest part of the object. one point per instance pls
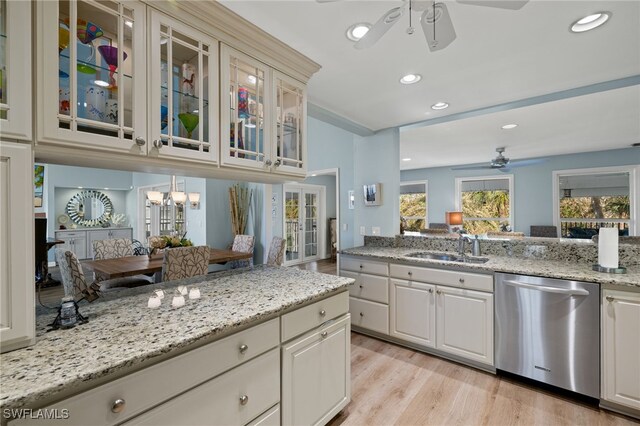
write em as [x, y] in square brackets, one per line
[391, 384]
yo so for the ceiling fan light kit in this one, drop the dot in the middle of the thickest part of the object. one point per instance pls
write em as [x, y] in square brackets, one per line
[590, 22]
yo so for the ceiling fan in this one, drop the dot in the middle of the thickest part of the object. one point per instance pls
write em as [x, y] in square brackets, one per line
[502, 163]
[435, 20]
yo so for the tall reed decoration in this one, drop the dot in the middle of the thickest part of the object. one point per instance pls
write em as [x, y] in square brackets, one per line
[239, 203]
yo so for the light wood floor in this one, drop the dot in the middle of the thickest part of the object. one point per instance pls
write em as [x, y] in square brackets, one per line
[391, 385]
[326, 266]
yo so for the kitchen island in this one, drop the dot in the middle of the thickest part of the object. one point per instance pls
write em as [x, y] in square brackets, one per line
[124, 336]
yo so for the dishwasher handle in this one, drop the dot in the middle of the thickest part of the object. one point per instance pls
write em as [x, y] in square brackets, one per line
[567, 291]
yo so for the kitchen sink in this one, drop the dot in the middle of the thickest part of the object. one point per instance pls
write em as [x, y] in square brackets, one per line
[447, 257]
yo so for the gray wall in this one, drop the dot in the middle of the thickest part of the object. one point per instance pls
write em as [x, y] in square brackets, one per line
[532, 184]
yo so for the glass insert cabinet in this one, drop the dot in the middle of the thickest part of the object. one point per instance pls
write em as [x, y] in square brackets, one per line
[262, 116]
[15, 69]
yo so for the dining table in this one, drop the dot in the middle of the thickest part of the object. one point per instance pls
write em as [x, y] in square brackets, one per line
[128, 266]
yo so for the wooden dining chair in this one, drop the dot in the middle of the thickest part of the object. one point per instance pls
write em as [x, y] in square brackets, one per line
[276, 252]
[184, 262]
[244, 244]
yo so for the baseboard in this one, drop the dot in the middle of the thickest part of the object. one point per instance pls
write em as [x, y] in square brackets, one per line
[620, 409]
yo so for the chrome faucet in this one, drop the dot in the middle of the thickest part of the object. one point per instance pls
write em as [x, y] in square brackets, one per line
[475, 245]
[461, 243]
[508, 246]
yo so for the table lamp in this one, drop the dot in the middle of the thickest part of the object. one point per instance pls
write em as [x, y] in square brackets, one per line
[454, 220]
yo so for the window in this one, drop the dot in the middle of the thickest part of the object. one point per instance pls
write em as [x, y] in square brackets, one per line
[413, 205]
[163, 219]
[588, 199]
[486, 203]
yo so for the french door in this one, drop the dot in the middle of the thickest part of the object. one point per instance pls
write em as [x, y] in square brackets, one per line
[163, 219]
[303, 226]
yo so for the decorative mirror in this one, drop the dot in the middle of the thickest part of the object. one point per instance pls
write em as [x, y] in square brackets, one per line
[90, 208]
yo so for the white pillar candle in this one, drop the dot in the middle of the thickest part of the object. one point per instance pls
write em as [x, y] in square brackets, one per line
[160, 294]
[177, 301]
[608, 247]
[194, 293]
[183, 290]
[154, 302]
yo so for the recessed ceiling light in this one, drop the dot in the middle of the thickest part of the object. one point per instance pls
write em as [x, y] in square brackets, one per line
[252, 79]
[440, 105]
[101, 83]
[128, 24]
[590, 22]
[106, 189]
[80, 187]
[509, 126]
[357, 31]
[406, 159]
[314, 175]
[411, 79]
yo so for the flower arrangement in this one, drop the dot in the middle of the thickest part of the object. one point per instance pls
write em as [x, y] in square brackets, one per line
[167, 241]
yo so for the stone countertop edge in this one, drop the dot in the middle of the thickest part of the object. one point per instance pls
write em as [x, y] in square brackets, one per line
[535, 267]
[124, 335]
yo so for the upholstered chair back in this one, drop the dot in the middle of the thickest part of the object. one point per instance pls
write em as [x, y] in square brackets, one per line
[112, 248]
[276, 252]
[185, 262]
[244, 244]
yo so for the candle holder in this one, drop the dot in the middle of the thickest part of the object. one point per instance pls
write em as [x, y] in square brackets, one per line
[618, 270]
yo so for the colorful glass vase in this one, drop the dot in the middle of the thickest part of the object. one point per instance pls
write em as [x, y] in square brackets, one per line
[189, 121]
[87, 31]
[164, 117]
[243, 103]
[110, 56]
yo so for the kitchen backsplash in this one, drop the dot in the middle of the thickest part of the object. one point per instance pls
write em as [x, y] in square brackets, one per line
[528, 248]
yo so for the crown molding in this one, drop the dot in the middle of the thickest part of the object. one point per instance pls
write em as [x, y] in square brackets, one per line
[211, 17]
[334, 119]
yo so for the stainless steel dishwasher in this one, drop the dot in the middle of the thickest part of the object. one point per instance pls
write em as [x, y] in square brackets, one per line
[549, 330]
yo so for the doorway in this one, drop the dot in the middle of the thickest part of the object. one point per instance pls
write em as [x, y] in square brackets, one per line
[160, 219]
[304, 216]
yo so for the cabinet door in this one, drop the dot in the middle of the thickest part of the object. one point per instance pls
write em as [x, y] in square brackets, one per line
[15, 69]
[413, 312]
[80, 247]
[246, 114]
[621, 348]
[121, 233]
[290, 132]
[316, 382]
[465, 323]
[184, 91]
[17, 315]
[91, 74]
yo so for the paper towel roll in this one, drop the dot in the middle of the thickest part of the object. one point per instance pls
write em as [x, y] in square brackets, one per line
[608, 247]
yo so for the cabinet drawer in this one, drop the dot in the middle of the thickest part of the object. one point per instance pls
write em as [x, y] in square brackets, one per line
[371, 315]
[70, 235]
[440, 276]
[304, 319]
[235, 398]
[270, 418]
[364, 266]
[146, 388]
[370, 287]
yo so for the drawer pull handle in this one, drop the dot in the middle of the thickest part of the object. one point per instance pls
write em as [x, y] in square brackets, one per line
[360, 286]
[243, 348]
[430, 290]
[360, 266]
[609, 298]
[438, 292]
[118, 405]
[324, 334]
[361, 314]
[410, 273]
[244, 399]
[323, 313]
[461, 280]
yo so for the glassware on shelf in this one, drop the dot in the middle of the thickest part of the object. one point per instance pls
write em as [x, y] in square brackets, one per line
[63, 39]
[164, 117]
[243, 102]
[189, 121]
[110, 56]
[111, 111]
[87, 31]
[188, 79]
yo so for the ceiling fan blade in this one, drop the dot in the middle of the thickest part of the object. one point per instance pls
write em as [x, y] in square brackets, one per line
[523, 163]
[501, 4]
[380, 28]
[438, 27]
[476, 167]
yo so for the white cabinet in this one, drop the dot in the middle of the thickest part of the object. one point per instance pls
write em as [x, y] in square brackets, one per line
[183, 91]
[92, 67]
[465, 323]
[413, 312]
[17, 313]
[15, 69]
[75, 241]
[621, 348]
[263, 116]
[316, 374]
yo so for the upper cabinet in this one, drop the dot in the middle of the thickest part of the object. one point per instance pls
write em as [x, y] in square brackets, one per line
[92, 75]
[15, 69]
[184, 90]
[263, 115]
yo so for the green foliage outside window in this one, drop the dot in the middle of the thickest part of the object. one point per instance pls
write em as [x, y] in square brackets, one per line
[606, 207]
[413, 207]
[492, 206]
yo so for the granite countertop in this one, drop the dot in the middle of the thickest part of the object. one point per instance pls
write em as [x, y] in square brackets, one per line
[546, 268]
[123, 333]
